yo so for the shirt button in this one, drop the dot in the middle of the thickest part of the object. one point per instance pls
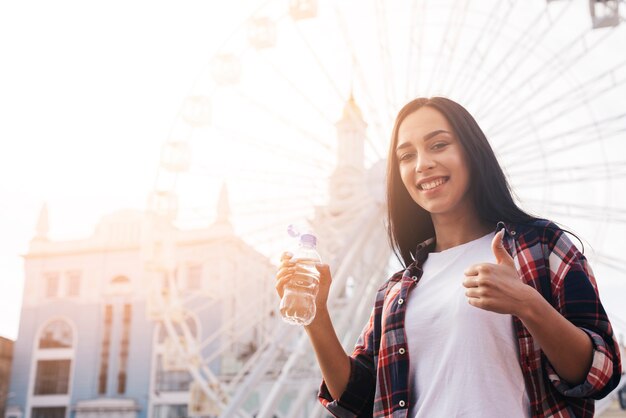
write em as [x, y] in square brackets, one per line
[400, 301]
[402, 403]
[401, 351]
[414, 278]
[512, 232]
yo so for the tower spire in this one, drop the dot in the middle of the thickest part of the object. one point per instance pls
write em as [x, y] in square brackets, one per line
[43, 226]
[351, 110]
[223, 206]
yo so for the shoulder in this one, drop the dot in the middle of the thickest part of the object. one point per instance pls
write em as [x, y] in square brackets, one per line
[540, 231]
[544, 235]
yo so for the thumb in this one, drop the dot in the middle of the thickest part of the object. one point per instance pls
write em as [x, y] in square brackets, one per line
[502, 256]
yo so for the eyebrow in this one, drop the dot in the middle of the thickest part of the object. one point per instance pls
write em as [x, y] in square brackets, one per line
[426, 137]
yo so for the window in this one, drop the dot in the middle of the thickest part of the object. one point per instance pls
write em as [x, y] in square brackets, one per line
[104, 353]
[171, 381]
[170, 411]
[48, 412]
[72, 283]
[57, 334]
[121, 377]
[119, 285]
[52, 377]
[194, 277]
[52, 285]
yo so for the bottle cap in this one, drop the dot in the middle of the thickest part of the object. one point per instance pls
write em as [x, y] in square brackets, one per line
[293, 231]
[309, 239]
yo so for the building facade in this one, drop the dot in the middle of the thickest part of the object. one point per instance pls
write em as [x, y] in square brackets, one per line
[90, 341]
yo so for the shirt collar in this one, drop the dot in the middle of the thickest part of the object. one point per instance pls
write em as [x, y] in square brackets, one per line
[425, 247]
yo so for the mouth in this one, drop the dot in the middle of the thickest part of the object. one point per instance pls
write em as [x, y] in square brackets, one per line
[432, 184]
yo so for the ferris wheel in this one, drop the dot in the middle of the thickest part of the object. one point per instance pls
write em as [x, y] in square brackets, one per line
[545, 79]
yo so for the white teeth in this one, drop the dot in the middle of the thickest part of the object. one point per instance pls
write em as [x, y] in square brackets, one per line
[433, 184]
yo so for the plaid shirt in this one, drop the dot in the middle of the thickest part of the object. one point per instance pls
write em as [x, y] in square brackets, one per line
[546, 260]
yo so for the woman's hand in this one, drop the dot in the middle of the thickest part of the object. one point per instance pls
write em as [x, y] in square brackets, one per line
[287, 271]
[497, 287]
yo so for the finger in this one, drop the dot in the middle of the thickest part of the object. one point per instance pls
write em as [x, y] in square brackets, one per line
[501, 254]
[280, 285]
[472, 270]
[474, 292]
[287, 272]
[293, 269]
[477, 302]
[287, 263]
[470, 282]
[285, 256]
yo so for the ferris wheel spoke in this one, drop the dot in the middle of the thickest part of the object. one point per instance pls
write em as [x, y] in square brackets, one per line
[226, 326]
[550, 71]
[283, 120]
[572, 100]
[441, 49]
[415, 23]
[578, 210]
[258, 176]
[574, 174]
[420, 43]
[320, 63]
[271, 209]
[248, 366]
[610, 261]
[492, 21]
[289, 154]
[300, 93]
[236, 327]
[550, 24]
[453, 45]
[477, 84]
[530, 153]
[601, 130]
[385, 57]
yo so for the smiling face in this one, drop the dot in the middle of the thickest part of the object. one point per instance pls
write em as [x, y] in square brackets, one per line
[432, 163]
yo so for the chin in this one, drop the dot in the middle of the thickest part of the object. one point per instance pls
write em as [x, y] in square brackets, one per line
[436, 208]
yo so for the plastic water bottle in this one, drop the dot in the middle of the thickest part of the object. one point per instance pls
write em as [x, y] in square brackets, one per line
[297, 306]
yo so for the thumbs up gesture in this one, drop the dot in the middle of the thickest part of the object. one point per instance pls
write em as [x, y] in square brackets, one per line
[497, 287]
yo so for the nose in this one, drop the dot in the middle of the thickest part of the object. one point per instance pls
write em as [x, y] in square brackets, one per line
[424, 162]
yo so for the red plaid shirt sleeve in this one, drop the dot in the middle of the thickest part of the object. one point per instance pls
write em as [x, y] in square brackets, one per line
[575, 294]
[357, 399]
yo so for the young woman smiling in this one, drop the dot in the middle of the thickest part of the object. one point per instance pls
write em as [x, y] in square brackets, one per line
[496, 313]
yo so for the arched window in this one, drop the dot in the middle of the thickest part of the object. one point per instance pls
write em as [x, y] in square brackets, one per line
[120, 280]
[119, 285]
[57, 334]
[53, 363]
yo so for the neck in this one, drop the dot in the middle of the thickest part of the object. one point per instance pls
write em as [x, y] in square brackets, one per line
[455, 229]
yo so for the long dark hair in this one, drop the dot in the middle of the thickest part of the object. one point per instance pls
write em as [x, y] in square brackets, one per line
[408, 223]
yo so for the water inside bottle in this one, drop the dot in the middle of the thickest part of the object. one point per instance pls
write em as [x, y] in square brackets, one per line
[298, 303]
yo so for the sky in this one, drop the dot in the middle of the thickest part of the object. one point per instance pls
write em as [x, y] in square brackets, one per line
[89, 92]
[88, 95]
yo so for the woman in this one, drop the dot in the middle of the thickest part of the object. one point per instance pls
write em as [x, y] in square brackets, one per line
[496, 313]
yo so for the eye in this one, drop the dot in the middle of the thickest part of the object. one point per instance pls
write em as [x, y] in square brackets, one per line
[406, 156]
[439, 145]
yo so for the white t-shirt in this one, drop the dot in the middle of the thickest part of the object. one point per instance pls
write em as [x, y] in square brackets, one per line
[464, 360]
